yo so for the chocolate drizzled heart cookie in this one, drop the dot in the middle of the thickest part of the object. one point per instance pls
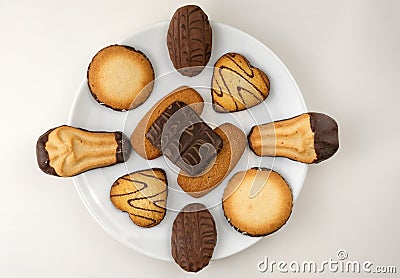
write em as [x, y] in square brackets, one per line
[143, 195]
[237, 85]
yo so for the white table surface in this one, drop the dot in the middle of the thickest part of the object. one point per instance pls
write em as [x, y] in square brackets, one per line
[345, 58]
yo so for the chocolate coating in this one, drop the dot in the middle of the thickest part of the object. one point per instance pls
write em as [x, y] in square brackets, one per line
[182, 136]
[189, 40]
[42, 155]
[326, 138]
[193, 237]
[124, 147]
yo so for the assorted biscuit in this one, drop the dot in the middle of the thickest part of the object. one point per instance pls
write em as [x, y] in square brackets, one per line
[67, 151]
[140, 143]
[120, 77]
[309, 138]
[193, 237]
[237, 85]
[233, 145]
[256, 202]
[189, 40]
[184, 138]
[143, 195]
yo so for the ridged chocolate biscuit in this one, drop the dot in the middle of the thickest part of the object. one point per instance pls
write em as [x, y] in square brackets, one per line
[67, 151]
[193, 237]
[120, 77]
[189, 40]
[309, 138]
[257, 202]
[143, 195]
[237, 85]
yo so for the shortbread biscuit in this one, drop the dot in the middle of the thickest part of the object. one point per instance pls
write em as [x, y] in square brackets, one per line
[184, 138]
[233, 145]
[257, 202]
[140, 143]
[309, 138]
[66, 151]
[189, 40]
[143, 195]
[193, 237]
[120, 77]
[237, 85]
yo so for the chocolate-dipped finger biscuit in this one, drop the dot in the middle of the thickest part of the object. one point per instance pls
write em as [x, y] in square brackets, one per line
[189, 40]
[66, 151]
[193, 237]
[257, 202]
[143, 195]
[237, 85]
[309, 138]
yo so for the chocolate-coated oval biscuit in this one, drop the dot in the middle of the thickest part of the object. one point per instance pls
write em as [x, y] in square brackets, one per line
[189, 40]
[193, 237]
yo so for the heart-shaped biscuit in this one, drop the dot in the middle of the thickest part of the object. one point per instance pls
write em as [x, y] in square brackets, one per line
[237, 85]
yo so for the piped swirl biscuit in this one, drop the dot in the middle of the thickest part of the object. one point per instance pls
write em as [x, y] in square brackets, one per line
[233, 145]
[309, 138]
[193, 237]
[143, 195]
[237, 85]
[189, 40]
[66, 151]
[183, 94]
[257, 202]
[120, 77]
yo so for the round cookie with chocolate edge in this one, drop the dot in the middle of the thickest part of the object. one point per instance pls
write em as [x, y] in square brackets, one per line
[67, 151]
[189, 40]
[120, 77]
[143, 195]
[193, 237]
[183, 94]
[257, 202]
[309, 138]
[236, 84]
[233, 145]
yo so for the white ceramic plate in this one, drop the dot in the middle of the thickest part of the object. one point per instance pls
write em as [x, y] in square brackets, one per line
[285, 100]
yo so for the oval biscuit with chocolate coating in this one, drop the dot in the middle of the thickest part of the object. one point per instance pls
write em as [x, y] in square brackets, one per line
[189, 40]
